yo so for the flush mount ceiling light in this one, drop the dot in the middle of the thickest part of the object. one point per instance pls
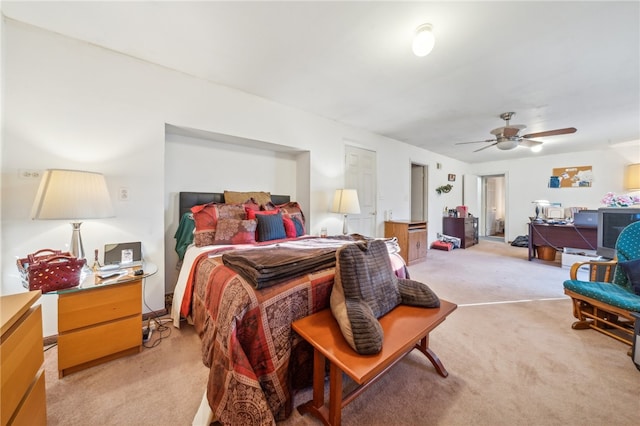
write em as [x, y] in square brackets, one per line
[424, 40]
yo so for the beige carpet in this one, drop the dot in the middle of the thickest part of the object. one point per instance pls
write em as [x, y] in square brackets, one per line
[512, 358]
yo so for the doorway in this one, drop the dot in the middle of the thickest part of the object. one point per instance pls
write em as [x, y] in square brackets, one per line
[418, 185]
[494, 206]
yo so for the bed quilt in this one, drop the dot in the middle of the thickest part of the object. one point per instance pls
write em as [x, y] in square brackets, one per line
[256, 362]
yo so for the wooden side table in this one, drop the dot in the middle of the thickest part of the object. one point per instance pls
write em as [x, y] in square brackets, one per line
[100, 320]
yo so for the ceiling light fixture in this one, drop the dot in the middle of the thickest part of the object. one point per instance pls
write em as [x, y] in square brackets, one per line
[536, 148]
[424, 40]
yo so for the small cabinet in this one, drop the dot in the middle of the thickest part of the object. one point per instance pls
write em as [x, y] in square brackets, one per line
[465, 228]
[412, 238]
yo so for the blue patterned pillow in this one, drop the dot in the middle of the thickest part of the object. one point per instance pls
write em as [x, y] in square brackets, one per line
[299, 226]
[270, 227]
[632, 270]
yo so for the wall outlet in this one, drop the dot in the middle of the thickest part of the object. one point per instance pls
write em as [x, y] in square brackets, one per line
[29, 174]
[123, 194]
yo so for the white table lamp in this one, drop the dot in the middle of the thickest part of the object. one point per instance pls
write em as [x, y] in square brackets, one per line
[73, 195]
[345, 201]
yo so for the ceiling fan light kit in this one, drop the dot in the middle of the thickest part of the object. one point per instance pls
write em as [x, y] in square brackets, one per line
[507, 137]
[424, 40]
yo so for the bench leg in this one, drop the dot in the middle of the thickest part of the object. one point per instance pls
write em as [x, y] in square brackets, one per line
[335, 395]
[423, 347]
[330, 415]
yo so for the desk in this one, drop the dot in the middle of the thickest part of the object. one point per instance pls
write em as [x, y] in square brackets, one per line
[560, 236]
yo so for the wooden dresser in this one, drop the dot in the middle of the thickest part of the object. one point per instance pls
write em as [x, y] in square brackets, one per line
[465, 228]
[22, 358]
[412, 238]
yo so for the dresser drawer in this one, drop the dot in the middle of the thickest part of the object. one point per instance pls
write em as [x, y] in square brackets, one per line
[89, 307]
[33, 411]
[22, 356]
[92, 343]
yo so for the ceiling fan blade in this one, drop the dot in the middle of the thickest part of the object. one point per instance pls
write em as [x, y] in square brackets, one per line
[464, 143]
[485, 147]
[529, 143]
[551, 133]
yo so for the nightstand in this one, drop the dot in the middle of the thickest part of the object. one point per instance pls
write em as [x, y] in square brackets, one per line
[100, 320]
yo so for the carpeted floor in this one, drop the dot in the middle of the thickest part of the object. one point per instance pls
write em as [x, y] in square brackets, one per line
[512, 358]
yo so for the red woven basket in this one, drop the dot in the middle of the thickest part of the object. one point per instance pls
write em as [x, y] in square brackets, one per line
[50, 270]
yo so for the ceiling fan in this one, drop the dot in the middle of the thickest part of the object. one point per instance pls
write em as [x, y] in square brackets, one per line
[507, 137]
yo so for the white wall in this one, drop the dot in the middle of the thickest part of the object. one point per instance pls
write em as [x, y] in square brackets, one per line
[69, 104]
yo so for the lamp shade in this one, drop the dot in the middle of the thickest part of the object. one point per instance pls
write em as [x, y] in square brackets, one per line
[345, 201]
[632, 177]
[73, 195]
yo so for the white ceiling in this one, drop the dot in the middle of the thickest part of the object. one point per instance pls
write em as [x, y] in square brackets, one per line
[556, 64]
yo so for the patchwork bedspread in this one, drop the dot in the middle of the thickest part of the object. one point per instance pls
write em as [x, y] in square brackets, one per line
[255, 360]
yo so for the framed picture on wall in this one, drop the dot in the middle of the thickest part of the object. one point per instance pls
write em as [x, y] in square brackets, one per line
[452, 178]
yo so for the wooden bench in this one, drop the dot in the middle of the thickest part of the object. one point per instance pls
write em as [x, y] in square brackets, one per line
[405, 328]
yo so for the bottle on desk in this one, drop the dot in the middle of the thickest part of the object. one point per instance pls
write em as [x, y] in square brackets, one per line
[96, 265]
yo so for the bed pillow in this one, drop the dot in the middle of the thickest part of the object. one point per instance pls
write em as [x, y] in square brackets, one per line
[236, 231]
[631, 269]
[289, 227]
[268, 207]
[270, 227]
[251, 205]
[252, 214]
[365, 288]
[299, 225]
[206, 217]
[235, 197]
[293, 209]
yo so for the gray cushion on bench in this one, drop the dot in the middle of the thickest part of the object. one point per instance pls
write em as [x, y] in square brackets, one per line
[366, 288]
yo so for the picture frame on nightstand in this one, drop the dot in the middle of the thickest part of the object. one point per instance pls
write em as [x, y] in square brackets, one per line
[123, 254]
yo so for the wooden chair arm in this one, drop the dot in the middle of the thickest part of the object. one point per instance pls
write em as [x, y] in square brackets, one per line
[599, 270]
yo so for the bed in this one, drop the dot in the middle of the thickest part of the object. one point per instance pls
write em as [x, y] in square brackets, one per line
[256, 363]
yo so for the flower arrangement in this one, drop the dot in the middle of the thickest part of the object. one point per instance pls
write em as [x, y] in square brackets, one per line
[613, 200]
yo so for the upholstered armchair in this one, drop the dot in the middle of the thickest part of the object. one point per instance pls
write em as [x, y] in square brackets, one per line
[612, 293]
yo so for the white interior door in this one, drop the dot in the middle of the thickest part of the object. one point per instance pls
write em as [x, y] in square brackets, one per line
[360, 174]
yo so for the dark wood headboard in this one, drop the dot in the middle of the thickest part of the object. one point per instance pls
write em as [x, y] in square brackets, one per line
[190, 199]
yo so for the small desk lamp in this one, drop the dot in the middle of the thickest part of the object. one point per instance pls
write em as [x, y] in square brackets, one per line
[73, 195]
[539, 203]
[345, 201]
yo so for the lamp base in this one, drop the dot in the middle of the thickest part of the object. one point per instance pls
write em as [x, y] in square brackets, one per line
[344, 226]
[76, 247]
